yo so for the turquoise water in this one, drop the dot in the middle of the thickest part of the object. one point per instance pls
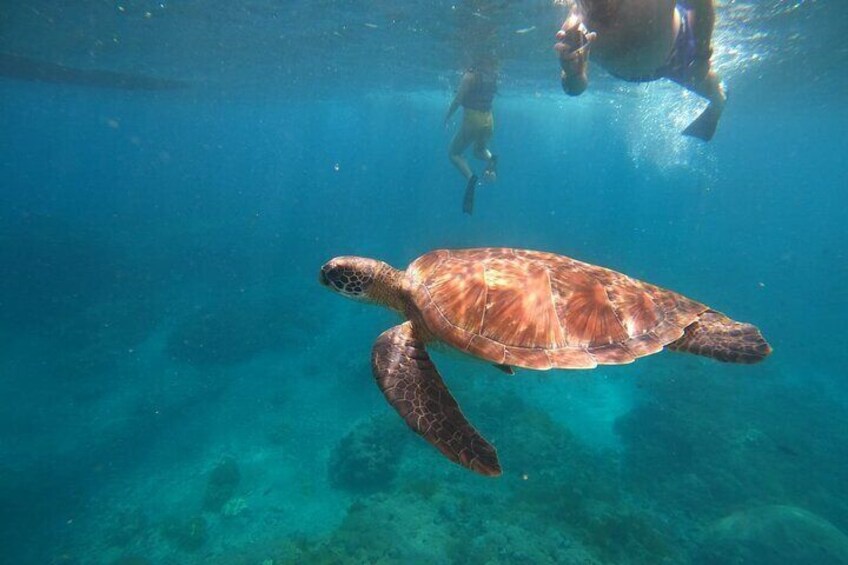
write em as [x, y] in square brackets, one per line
[176, 387]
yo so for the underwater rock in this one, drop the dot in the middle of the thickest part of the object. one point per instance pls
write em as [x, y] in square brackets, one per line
[404, 528]
[234, 507]
[96, 342]
[128, 525]
[387, 529]
[620, 535]
[221, 485]
[214, 337]
[572, 490]
[511, 543]
[132, 560]
[534, 443]
[702, 441]
[236, 332]
[52, 270]
[188, 534]
[563, 503]
[366, 459]
[774, 534]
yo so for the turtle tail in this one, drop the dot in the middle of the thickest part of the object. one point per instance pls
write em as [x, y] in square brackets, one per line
[717, 336]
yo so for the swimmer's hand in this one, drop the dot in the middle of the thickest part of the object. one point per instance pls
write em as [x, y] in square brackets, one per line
[573, 41]
[454, 105]
[572, 47]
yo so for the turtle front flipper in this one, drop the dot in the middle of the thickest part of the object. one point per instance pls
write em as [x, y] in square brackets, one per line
[413, 386]
[715, 335]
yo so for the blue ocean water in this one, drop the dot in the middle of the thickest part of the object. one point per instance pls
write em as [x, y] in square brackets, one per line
[176, 387]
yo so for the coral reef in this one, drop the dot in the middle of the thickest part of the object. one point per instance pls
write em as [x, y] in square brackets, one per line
[132, 560]
[694, 454]
[366, 460]
[773, 534]
[221, 485]
[571, 488]
[126, 526]
[704, 444]
[187, 534]
[234, 507]
[512, 543]
[562, 505]
[373, 530]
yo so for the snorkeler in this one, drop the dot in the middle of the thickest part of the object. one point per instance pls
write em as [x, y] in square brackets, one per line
[475, 94]
[643, 41]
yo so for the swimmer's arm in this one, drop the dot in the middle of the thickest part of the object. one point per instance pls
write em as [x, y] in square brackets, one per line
[464, 86]
[573, 50]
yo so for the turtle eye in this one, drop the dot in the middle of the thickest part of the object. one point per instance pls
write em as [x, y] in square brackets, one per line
[335, 277]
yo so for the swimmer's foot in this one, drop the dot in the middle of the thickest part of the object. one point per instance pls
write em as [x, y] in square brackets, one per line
[491, 172]
[468, 201]
[704, 126]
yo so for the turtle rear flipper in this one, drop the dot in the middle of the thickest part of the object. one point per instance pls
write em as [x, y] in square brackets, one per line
[413, 386]
[715, 335]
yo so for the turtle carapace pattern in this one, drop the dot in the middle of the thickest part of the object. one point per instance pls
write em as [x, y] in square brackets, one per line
[519, 308]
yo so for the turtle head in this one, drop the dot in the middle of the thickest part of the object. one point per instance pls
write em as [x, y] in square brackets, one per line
[353, 277]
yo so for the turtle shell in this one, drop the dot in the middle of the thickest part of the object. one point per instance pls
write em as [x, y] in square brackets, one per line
[543, 311]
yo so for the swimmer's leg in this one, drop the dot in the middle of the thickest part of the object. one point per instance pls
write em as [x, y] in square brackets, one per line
[491, 172]
[703, 24]
[460, 143]
[702, 80]
[709, 87]
[482, 152]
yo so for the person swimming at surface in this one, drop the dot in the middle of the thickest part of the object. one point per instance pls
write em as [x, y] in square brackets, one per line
[643, 41]
[475, 94]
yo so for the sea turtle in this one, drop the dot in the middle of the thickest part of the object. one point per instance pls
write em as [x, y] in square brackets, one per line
[519, 308]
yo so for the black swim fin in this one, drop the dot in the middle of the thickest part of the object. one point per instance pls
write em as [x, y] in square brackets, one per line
[468, 201]
[704, 126]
